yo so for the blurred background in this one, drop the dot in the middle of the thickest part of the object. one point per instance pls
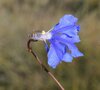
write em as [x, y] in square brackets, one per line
[20, 71]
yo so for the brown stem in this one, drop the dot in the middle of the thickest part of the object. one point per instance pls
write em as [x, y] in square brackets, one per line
[43, 66]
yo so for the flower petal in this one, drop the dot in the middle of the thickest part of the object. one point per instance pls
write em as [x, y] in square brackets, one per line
[59, 48]
[66, 39]
[74, 50]
[46, 46]
[53, 59]
[70, 31]
[67, 58]
[66, 20]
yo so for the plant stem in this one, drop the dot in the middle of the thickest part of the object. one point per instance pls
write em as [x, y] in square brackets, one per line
[42, 65]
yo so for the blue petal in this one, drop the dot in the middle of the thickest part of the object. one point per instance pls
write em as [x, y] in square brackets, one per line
[71, 31]
[74, 50]
[53, 59]
[56, 30]
[66, 20]
[74, 39]
[64, 39]
[59, 48]
[46, 46]
[78, 27]
[67, 58]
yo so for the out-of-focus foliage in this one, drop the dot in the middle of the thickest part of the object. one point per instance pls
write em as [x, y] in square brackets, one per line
[20, 71]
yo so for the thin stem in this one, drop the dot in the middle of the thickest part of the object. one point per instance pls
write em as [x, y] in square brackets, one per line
[42, 65]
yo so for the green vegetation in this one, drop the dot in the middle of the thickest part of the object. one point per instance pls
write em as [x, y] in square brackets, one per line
[20, 71]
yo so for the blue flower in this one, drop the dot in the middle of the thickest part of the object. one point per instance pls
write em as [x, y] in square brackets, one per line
[62, 43]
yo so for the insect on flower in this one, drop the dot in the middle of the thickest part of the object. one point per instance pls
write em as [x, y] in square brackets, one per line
[62, 38]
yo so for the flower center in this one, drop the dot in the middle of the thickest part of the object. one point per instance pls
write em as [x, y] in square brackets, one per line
[45, 35]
